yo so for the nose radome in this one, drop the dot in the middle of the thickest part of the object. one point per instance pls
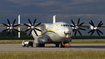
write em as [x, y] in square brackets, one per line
[67, 30]
[67, 33]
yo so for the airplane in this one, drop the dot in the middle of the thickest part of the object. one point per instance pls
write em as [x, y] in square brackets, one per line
[58, 33]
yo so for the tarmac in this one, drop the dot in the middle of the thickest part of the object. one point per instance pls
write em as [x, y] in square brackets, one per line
[52, 48]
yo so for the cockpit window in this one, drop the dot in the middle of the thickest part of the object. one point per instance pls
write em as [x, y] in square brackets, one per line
[65, 25]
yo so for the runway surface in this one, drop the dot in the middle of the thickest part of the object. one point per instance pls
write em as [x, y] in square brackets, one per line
[51, 48]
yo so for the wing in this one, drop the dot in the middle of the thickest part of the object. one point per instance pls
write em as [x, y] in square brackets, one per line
[29, 27]
[91, 27]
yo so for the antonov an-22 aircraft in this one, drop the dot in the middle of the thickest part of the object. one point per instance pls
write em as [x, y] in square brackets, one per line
[58, 33]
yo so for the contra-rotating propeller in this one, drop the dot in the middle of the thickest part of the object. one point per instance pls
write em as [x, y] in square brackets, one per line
[32, 27]
[95, 28]
[76, 27]
[10, 27]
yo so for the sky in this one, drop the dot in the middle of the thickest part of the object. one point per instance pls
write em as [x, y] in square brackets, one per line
[43, 10]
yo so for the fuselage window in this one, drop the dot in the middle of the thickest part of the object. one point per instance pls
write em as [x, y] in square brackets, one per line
[64, 25]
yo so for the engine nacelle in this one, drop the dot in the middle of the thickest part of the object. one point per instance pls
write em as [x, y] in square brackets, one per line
[92, 27]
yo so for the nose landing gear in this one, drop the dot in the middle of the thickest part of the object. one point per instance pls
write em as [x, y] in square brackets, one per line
[65, 45]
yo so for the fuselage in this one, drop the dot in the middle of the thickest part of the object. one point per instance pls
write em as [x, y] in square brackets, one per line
[58, 32]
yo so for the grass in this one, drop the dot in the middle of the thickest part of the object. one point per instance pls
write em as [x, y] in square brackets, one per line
[54, 55]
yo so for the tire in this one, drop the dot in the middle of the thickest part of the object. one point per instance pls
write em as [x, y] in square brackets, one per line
[23, 45]
[42, 45]
[62, 45]
[57, 45]
[31, 44]
[27, 45]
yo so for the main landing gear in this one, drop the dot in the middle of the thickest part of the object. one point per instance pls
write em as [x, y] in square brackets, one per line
[40, 45]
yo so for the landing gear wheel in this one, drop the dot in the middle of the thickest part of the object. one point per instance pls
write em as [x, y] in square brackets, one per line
[23, 45]
[31, 44]
[42, 45]
[62, 46]
[27, 45]
[57, 45]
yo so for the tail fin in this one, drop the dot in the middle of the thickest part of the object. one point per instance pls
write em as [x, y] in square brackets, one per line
[18, 28]
[54, 18]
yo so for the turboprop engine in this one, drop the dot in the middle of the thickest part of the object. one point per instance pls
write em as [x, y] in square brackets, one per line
[94, 28]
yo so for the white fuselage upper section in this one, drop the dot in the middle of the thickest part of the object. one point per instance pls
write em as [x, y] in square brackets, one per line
[58, 31]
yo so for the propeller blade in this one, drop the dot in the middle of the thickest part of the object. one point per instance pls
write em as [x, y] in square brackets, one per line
[8, 21]
[10, 27]
[16, 30]
[5, 24]
[4, 30]
[34, 21]
[16, 25]
[13, 22]
[75, 32]
[82, 29]
[77, 27]
[99, 24]
[81, 23]
[29, 21]
[78, 21]
[71, 25]
[98, 33]
[8, 33]
[26, 25]
[92, 23]
[37, 29]
[13, 33]
[36, 33]
[32, 26]
[30, 33]
[92, 32]
[79, 32]
[73, 22]
[38, 24]
[26, 30]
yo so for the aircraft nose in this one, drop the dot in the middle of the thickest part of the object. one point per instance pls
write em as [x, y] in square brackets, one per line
[68, 33]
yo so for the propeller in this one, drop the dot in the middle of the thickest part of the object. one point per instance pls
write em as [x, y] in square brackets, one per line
[10, 27]
[95, 28]
[32, 27]
[76, 27]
